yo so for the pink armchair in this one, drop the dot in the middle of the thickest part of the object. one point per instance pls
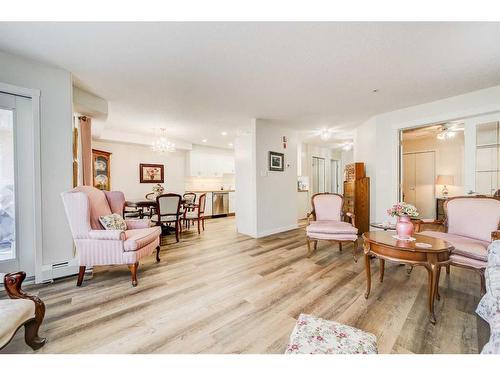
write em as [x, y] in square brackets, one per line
[97, 246]
[471, 224]
[328, 222]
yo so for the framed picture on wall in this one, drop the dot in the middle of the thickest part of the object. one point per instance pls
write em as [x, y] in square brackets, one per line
[151, 173]
[276, 161]
[101, 169]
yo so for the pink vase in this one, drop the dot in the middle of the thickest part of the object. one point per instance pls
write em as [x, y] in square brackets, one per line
[404, 227]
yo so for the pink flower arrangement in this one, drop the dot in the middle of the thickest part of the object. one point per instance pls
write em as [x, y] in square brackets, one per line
[403, 209]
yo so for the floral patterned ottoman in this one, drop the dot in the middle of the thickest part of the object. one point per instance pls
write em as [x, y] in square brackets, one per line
[313, 335]
[489, 306]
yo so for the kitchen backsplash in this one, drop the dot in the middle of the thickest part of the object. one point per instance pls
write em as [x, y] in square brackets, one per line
[210, 183]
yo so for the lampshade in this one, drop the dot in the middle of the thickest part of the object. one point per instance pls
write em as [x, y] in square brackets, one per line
[444, 179]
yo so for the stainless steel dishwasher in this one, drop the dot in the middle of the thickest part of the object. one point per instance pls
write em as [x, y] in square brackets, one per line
[220, 203]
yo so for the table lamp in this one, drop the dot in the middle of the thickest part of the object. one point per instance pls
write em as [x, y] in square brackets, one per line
[444, 180]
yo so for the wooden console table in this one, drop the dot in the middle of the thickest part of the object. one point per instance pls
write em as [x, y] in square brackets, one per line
[383, 246]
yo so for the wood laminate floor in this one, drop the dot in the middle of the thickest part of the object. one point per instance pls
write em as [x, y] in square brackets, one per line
[221, 292]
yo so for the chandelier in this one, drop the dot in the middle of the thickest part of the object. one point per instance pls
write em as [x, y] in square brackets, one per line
[162, 145]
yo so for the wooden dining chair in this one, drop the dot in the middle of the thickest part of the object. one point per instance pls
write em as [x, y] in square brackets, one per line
[168, 211]
[197, 214]
[189, 197]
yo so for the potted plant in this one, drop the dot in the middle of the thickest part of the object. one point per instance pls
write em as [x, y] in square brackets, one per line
[404, 212]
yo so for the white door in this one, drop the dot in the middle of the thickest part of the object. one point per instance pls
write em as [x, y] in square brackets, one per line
[409, 178]
[425, 178]
[318, 168]
[334, 173]
[17, 181]
[419, 182]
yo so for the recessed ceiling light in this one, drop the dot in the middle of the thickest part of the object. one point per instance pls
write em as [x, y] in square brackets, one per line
[224, 133]
[204, 140]
[230, 144]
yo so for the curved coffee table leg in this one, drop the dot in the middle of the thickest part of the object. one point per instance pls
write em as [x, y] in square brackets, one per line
[438, 297]
[432, 271]
[368, 275]
[382, 269]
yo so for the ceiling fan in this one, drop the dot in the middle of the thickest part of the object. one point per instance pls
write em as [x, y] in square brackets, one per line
[449, 131]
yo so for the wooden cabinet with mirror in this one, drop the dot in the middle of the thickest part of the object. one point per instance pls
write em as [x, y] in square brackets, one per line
[101, 165]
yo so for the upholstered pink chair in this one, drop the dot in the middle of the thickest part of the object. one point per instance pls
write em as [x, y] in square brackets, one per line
[97, 246]
[329, 224]
[471, 224]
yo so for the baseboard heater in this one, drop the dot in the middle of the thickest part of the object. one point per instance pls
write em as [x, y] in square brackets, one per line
[58, 270]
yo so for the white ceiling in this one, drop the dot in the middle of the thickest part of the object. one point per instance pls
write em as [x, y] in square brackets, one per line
[199, 79]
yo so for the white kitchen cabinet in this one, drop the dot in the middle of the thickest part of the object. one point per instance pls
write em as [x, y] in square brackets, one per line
[193, 164]
[208, 164]
[232, 203]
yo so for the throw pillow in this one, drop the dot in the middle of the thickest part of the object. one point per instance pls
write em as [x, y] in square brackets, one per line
[113, 222]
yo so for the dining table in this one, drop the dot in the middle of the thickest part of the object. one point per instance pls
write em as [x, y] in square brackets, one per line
[150, 204]
[141, 204]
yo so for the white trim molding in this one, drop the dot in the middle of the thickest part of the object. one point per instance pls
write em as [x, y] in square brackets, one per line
[34, 95]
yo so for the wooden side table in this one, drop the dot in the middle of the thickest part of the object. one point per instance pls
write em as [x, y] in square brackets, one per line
[383, 246]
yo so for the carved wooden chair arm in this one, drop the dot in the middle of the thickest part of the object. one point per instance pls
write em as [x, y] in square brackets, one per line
[308, 217]
[12, 284]
[351, 218]
[495, 235]
[419, 223]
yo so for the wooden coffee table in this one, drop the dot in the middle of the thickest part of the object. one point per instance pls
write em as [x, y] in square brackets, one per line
[383, 246]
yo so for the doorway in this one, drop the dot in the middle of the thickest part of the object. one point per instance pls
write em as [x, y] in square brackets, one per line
[334, 173]
[318, 175]
[427, 153]
[17, 185]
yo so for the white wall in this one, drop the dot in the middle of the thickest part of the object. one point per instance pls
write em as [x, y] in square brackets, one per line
[276, 191]
[55, 86]
[125, 160]
[364, 151]
[266, 201]
[246, 181]
[381, 150]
